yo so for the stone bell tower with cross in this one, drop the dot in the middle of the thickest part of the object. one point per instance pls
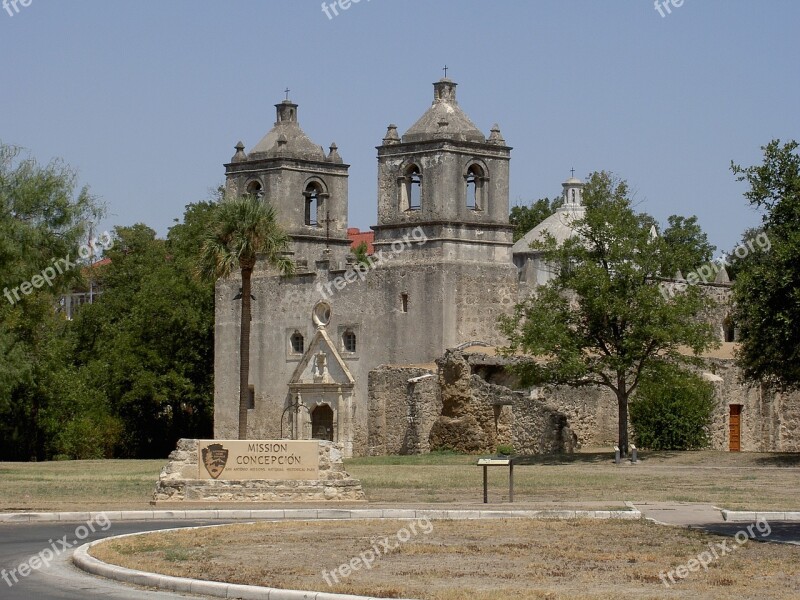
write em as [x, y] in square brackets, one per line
[306, 186]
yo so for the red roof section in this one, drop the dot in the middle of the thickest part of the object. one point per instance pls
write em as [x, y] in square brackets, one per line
[357, 236]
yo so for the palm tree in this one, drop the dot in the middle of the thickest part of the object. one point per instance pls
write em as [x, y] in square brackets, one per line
[243, 230]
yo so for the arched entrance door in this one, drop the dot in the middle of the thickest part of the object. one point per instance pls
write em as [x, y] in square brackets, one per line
[322, 423]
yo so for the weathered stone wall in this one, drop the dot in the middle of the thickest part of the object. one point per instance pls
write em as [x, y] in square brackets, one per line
[178, 481]
[770, 420]
[478, 415]
[541, 429]
[404, 403]
[591, 412]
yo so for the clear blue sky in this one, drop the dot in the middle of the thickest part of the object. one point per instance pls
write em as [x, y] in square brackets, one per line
[147, 99]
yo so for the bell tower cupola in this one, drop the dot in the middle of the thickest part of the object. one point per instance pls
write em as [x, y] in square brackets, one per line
[306, 186]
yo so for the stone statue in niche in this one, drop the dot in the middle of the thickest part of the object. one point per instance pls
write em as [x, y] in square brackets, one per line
[321, 374]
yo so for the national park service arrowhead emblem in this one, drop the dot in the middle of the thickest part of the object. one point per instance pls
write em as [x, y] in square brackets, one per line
[215, 458]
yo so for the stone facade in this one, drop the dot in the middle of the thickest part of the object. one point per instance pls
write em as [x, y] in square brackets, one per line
[441, 274]
[178, 482]
[444, 269]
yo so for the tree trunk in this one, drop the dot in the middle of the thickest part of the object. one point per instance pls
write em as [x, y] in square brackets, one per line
[622, 403]
[244, 355]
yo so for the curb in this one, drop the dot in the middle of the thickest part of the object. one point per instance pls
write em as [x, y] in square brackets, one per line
[741, 516]
[84, 561]
[314, 514]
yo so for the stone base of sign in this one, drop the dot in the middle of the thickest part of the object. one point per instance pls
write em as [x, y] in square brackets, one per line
[179, 483]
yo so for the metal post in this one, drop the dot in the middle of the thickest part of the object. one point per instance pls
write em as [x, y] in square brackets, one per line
[485, 485]
[511, 481]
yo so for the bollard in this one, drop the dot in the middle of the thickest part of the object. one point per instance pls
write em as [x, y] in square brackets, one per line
[616, 455]
[634, 454]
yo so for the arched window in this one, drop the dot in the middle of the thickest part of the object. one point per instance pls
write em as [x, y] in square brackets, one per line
[729, 329]
[254, 188]
[313, 200]
[411, 189]
[475, 188]
[349, 340]
[298, 343]
[322, 423]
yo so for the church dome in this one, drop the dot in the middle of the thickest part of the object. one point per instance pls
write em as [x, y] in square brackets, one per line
[444, 119]
[287, 139]
[561, 224]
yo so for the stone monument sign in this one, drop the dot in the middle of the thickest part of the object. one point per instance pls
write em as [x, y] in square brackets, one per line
[256, 471]
[245, 460]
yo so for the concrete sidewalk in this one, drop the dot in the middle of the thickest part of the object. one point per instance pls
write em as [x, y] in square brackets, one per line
[688, 514]
[682, 514]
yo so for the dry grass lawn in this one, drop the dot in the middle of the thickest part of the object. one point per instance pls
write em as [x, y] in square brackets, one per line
[730, 480]
[479, 560]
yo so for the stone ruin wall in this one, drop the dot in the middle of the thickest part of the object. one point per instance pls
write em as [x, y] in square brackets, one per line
[404, 403]
[470, 403]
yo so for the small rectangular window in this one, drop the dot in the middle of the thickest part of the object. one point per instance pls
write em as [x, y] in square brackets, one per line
[404, 302]
[251, 402]
[349, 341]
[297, 342]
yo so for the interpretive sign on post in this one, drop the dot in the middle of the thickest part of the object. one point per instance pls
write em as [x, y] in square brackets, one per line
[242, 460]
[495, 461]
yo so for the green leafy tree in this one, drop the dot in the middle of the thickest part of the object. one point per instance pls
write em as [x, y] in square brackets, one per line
[767, 287]
[686, 246]
[602, 320]
[145, 347]
[243, 230]
[672, 409]
[44, 218]
[360, 252]
[525, 218]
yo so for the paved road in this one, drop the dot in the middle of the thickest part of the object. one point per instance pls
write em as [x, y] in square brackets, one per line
[61, 580]
[778, 531]
[708, 518]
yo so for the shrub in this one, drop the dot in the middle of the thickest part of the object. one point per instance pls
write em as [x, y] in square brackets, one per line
[505, 449]
[672, 409]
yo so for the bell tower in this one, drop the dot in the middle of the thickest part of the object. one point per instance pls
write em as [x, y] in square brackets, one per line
[306, 186]
[444, 176]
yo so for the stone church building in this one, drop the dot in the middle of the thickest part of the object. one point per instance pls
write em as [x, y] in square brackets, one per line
[397, 356]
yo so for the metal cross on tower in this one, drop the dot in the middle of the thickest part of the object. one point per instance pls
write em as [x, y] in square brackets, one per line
[445, 71]
[286, 91]
[328, 222]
